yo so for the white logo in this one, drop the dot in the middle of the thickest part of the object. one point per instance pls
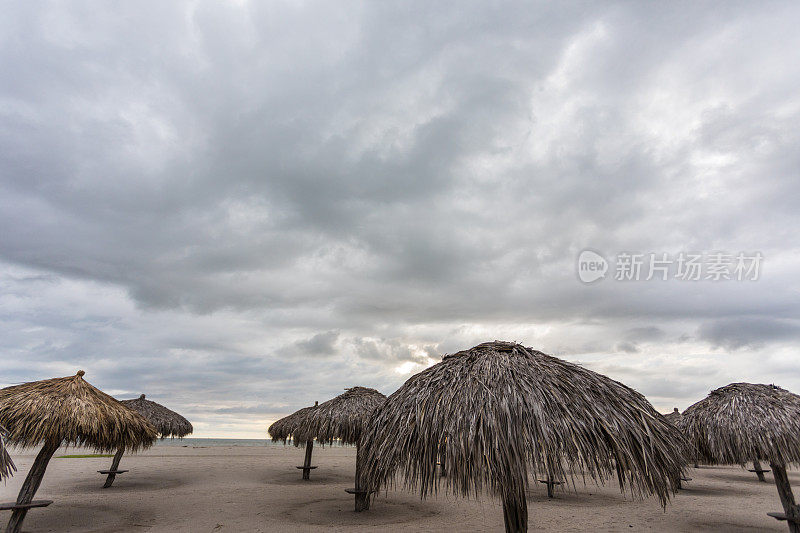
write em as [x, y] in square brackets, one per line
[591, 266]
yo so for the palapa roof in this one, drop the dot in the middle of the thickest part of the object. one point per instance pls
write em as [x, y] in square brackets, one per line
[674, 417]
[167, 422]
[342, 418]
[7, 467]
[503, 409]
[285, 428]
[71, 411]
[741, 422]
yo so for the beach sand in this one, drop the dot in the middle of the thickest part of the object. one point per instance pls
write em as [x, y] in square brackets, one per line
[219, 489]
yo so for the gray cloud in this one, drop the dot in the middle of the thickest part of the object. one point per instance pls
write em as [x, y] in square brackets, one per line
[752, 332]
[253, 207]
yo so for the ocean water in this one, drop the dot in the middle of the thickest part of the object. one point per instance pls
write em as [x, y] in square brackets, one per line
[208, 443]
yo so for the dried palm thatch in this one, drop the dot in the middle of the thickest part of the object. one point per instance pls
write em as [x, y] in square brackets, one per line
[674, 417]
[505, 409]
[750, 422]
[71, 411]
[7, 467]
[284, 429]
[167, 422]
[340, 419]
[744, 421]
[65, 411]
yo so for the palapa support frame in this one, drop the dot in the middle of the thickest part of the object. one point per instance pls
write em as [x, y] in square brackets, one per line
[759, 471]
[31, 484]
[114, 470]
[307, 468]
[791, 511]
[362, 494]
[551, 484]
[515, 513]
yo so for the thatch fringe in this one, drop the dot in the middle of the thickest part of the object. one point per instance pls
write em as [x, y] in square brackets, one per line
[342, 418]
[504, 409]
[284, 429]
[742, 422]
[69, 410]
[7, 467]
[166, 421]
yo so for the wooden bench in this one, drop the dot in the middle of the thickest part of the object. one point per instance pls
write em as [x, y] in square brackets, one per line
[782, 517]
[358, 491]
[686, 479]
[762, 471]
[13, 506]
[115, 472]
[306, 467]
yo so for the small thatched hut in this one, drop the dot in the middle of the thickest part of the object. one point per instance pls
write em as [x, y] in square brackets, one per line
[66, 411]
[505, 409]
[343, 419]
[744, 422]
[285, 428]
[168, 423]
[7, 467]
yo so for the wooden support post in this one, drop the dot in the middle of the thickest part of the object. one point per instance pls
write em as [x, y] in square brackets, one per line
[114, 468]
[515, 514]
[550, 485]
[791, 510]
[307, 461]
[31, 485]
[361, 494]
[759, 471]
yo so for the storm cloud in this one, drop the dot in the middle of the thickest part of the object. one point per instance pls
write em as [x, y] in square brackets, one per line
[240, 208]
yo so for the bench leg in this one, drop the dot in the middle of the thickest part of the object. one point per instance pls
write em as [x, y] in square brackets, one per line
[114, 466]
[31, 485]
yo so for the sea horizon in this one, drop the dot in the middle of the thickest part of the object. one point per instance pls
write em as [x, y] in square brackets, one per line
[214, 441]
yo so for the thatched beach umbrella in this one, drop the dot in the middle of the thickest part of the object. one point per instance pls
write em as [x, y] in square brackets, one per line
[168, 423]
[66, 411]
[343, 419]
[285, 428]
[744, 422]
[505, 409]
[7, 467]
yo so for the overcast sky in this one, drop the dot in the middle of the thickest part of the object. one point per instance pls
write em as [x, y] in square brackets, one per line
[239, 208]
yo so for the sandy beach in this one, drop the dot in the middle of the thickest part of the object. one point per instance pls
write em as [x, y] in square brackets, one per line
[217, 489]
